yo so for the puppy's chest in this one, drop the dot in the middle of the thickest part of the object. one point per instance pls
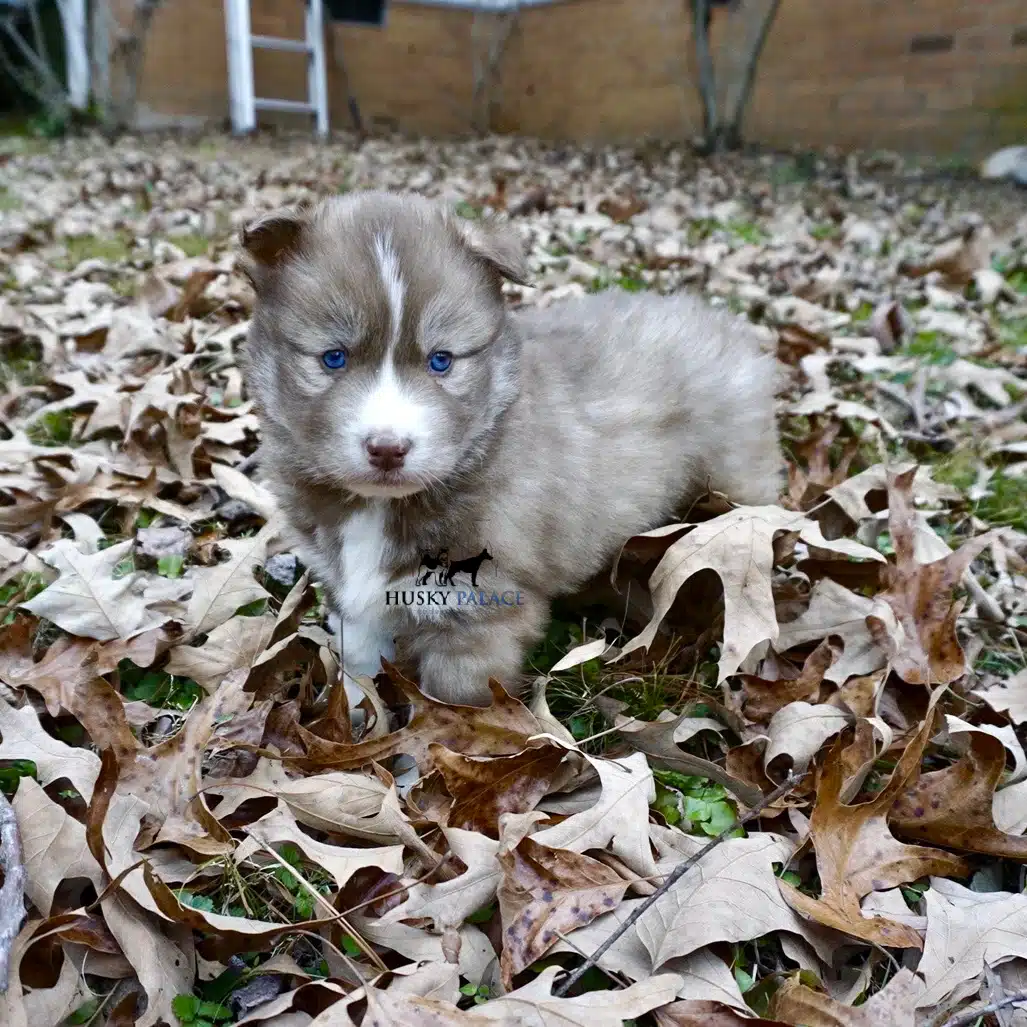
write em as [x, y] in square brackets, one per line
[423, 578]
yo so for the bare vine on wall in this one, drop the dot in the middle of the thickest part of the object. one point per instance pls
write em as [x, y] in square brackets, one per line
[725, 85]
[490, 34]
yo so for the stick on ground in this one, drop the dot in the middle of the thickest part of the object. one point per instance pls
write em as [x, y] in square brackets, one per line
[672, 878]
[12, 894]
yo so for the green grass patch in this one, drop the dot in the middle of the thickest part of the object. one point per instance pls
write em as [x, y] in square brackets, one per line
[930, 347]
[158, 688]
[56, 428]
[94, 247]
[8, 200]
[748, 231]
[1006, 502]
[193, 244]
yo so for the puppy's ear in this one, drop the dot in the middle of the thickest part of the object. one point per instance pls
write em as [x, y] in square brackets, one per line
[496, 244]
[268, 239]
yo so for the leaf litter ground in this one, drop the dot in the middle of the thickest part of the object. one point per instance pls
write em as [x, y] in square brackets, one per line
[211, 836]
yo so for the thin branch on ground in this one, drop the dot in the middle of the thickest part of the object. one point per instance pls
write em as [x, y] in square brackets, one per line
[12, 894]
[970, 1016]
[676, 874]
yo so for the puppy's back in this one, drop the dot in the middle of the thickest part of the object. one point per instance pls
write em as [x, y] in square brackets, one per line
[667, 374]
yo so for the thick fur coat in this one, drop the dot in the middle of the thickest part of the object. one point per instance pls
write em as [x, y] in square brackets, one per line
[409, 419]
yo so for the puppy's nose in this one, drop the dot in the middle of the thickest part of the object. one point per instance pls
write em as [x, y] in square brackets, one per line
[386, 452]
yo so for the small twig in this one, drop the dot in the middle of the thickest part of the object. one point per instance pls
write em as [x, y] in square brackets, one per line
[972, 1015]
[676, 874]
[12, 894]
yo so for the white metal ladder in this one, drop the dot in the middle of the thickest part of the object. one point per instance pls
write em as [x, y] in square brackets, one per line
[243, 100]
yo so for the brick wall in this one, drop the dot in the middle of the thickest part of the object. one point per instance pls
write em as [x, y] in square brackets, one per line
[947, 76]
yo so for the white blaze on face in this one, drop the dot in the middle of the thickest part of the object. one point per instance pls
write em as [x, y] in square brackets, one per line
[387, 409]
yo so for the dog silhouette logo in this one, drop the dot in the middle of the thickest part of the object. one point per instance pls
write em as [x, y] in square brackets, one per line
[438, 564]
[442, 571]
[471, 566]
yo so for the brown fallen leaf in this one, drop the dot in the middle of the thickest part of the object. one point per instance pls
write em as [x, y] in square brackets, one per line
[1009, 697]
[953, 806]
[339, 863]
[483, 789]
[739, 547]
[87, 600]
[704, 1013]
[546, 893]
[836, 612]
[921, 595]
[237, 643]
[501, 729]
[535, 1004]
[23, 738]
[857, 854]
[53, 844]
[656, 738]
[34, 1007]
[893, 1006]
[967, 931]
[764, 698]
[958, 259]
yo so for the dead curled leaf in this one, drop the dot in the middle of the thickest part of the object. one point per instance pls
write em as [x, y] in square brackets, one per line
[921, 596]
[483, 789]
[739, 547]
[894, 1006]
[545, 894]
[857, 854]
[953, 806]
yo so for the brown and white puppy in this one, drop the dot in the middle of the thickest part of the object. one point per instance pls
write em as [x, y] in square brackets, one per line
[449, 466]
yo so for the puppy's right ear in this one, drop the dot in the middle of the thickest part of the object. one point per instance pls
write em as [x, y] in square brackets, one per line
[267, 240]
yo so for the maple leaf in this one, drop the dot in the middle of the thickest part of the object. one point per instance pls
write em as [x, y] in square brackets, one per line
[546, 893]
[857, 854]
[739, 547]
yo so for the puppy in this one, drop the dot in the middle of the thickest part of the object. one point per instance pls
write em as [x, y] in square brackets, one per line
[449, 467]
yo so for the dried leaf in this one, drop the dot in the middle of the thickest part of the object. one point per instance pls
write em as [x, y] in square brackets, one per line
[857, 854]
[953, 806]
[546, 893]
[484, 788]
[87, 600]
[921, 596]
[893, 1006]
[738, 546]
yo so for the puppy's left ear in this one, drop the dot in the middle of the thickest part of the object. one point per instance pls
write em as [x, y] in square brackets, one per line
[268, 239]
[496, 244]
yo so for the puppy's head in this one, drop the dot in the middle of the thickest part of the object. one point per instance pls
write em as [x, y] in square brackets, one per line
[377, 351]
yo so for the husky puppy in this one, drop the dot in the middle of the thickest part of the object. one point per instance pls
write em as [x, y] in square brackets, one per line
[407, 414]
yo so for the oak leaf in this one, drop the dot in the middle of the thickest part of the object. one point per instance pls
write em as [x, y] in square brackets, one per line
[546, 893]
[953, 806]
[739, 547]
[857, 854]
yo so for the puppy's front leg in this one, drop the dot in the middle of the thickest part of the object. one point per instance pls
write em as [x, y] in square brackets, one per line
[457, 660]
[363, 640]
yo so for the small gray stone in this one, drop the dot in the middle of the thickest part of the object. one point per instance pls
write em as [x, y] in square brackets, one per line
[282, 568]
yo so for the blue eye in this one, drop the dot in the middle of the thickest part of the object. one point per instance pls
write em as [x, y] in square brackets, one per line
[440, 363]
[334, 359]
